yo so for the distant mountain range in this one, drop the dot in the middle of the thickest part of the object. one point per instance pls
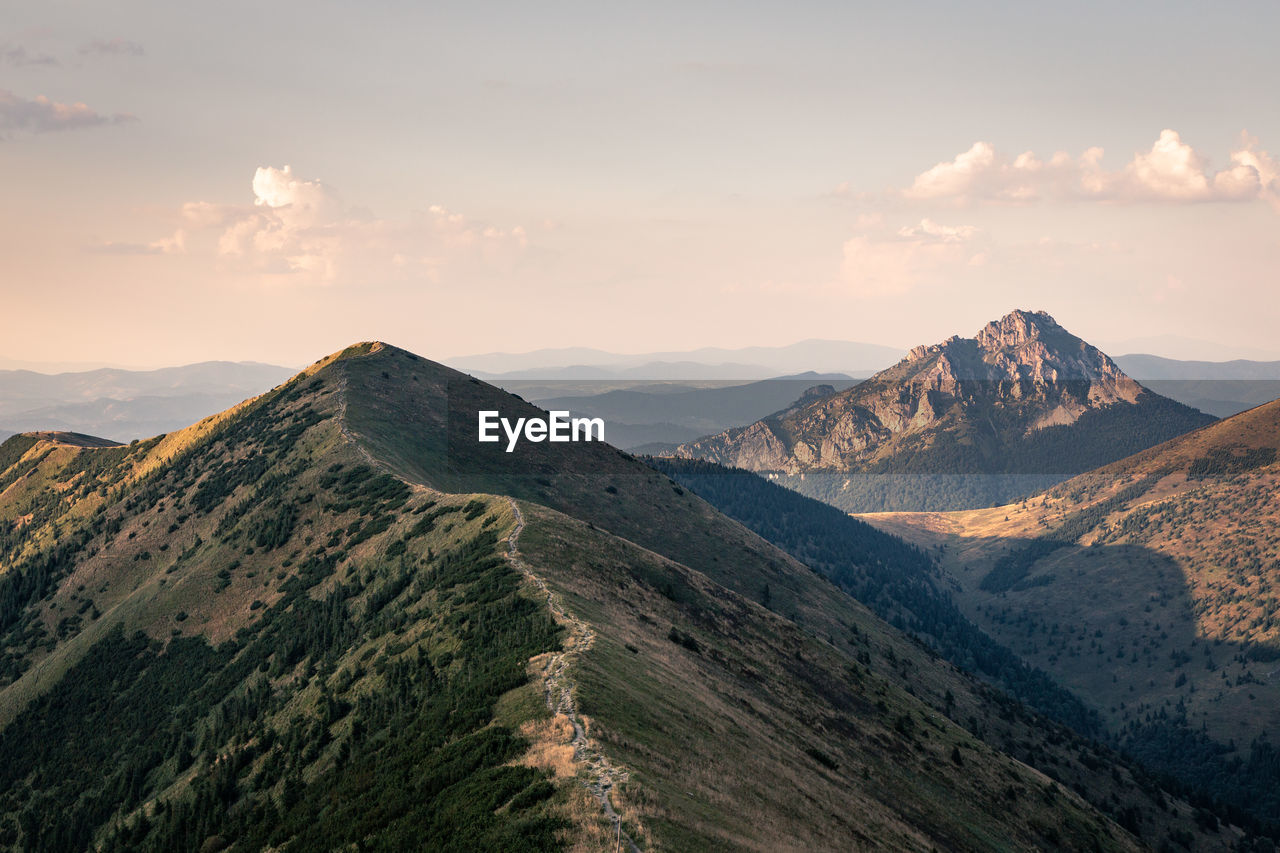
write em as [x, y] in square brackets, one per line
[1220, 388]
[1019, 406]
[648, 415]
[127, 404]
[855, 359]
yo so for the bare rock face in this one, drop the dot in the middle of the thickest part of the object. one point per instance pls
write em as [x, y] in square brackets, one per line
[1018, 375]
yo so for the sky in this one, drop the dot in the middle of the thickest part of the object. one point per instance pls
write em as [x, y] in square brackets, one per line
[273, 181]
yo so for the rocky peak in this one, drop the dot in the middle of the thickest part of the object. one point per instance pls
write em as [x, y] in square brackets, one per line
[1016, 329]
[1023, 346]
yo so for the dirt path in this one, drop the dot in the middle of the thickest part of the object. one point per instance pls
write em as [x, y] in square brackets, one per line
[351, 436]
[600, 775]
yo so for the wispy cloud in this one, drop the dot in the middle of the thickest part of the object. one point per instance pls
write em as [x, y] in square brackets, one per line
[19, 57]
[931, 231]
[878, 260]
[42, 115]
[1171, 171]
[111, 47]
[174, 245]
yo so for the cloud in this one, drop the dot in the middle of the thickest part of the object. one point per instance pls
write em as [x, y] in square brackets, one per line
[174, 245]
[1250, 157]
[928, 230]
[300, 230]
[301, 203]
[41, 115]
[111, 47]
[205, 214]
[1171, 172]
[19, 57]
[880, 261]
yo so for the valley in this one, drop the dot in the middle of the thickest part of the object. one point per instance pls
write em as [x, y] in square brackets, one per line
[1148, 587]
[310, 599]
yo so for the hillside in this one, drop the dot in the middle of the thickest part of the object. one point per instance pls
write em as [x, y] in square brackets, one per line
[968, 422]
[1149, 587]
[329, 617]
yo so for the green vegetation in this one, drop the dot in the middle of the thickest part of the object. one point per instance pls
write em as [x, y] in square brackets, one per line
[893, 578]
[267, 631]
[1211, 775]
[1012, 569]
[270, 729]
[1223, 462]
[13, 449]
[293, 629]
[1150, 587]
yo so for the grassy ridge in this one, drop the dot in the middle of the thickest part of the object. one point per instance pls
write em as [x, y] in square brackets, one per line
[258, 625]
[350, 656]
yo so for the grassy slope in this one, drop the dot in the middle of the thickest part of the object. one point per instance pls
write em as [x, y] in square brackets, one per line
[1161, 601]
[1199, 558]
[721, 709]
[209, 535]
[617, 494]
[310, 582]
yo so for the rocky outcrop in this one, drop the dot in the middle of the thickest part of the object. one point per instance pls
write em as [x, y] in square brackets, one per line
[1018, 375]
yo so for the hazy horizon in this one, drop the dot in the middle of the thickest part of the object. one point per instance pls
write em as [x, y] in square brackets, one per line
[459, 180]
[1188, 350]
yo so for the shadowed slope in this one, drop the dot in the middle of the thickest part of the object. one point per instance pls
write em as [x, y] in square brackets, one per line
[1149, 586]
[356, 662]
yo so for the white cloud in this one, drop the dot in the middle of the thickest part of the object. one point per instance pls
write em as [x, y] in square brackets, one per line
[299, 230]
[930, 230]
[1171, 171]
[300, 203]
[957, 177]
[41, 115]
[1250, 157]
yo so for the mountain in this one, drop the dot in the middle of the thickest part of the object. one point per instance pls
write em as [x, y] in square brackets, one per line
[1218, 397]
[1154, 367]
[330, 618]
[1021, 405]
[708, 362]
[1149, 587]
[128, 404]
[650, 371]
[1221, 388]
[644, 415]
[1183, 347]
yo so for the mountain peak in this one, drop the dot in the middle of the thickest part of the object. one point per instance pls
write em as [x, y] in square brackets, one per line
[1022, 396]
[1022, 346]
[1017, 328]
